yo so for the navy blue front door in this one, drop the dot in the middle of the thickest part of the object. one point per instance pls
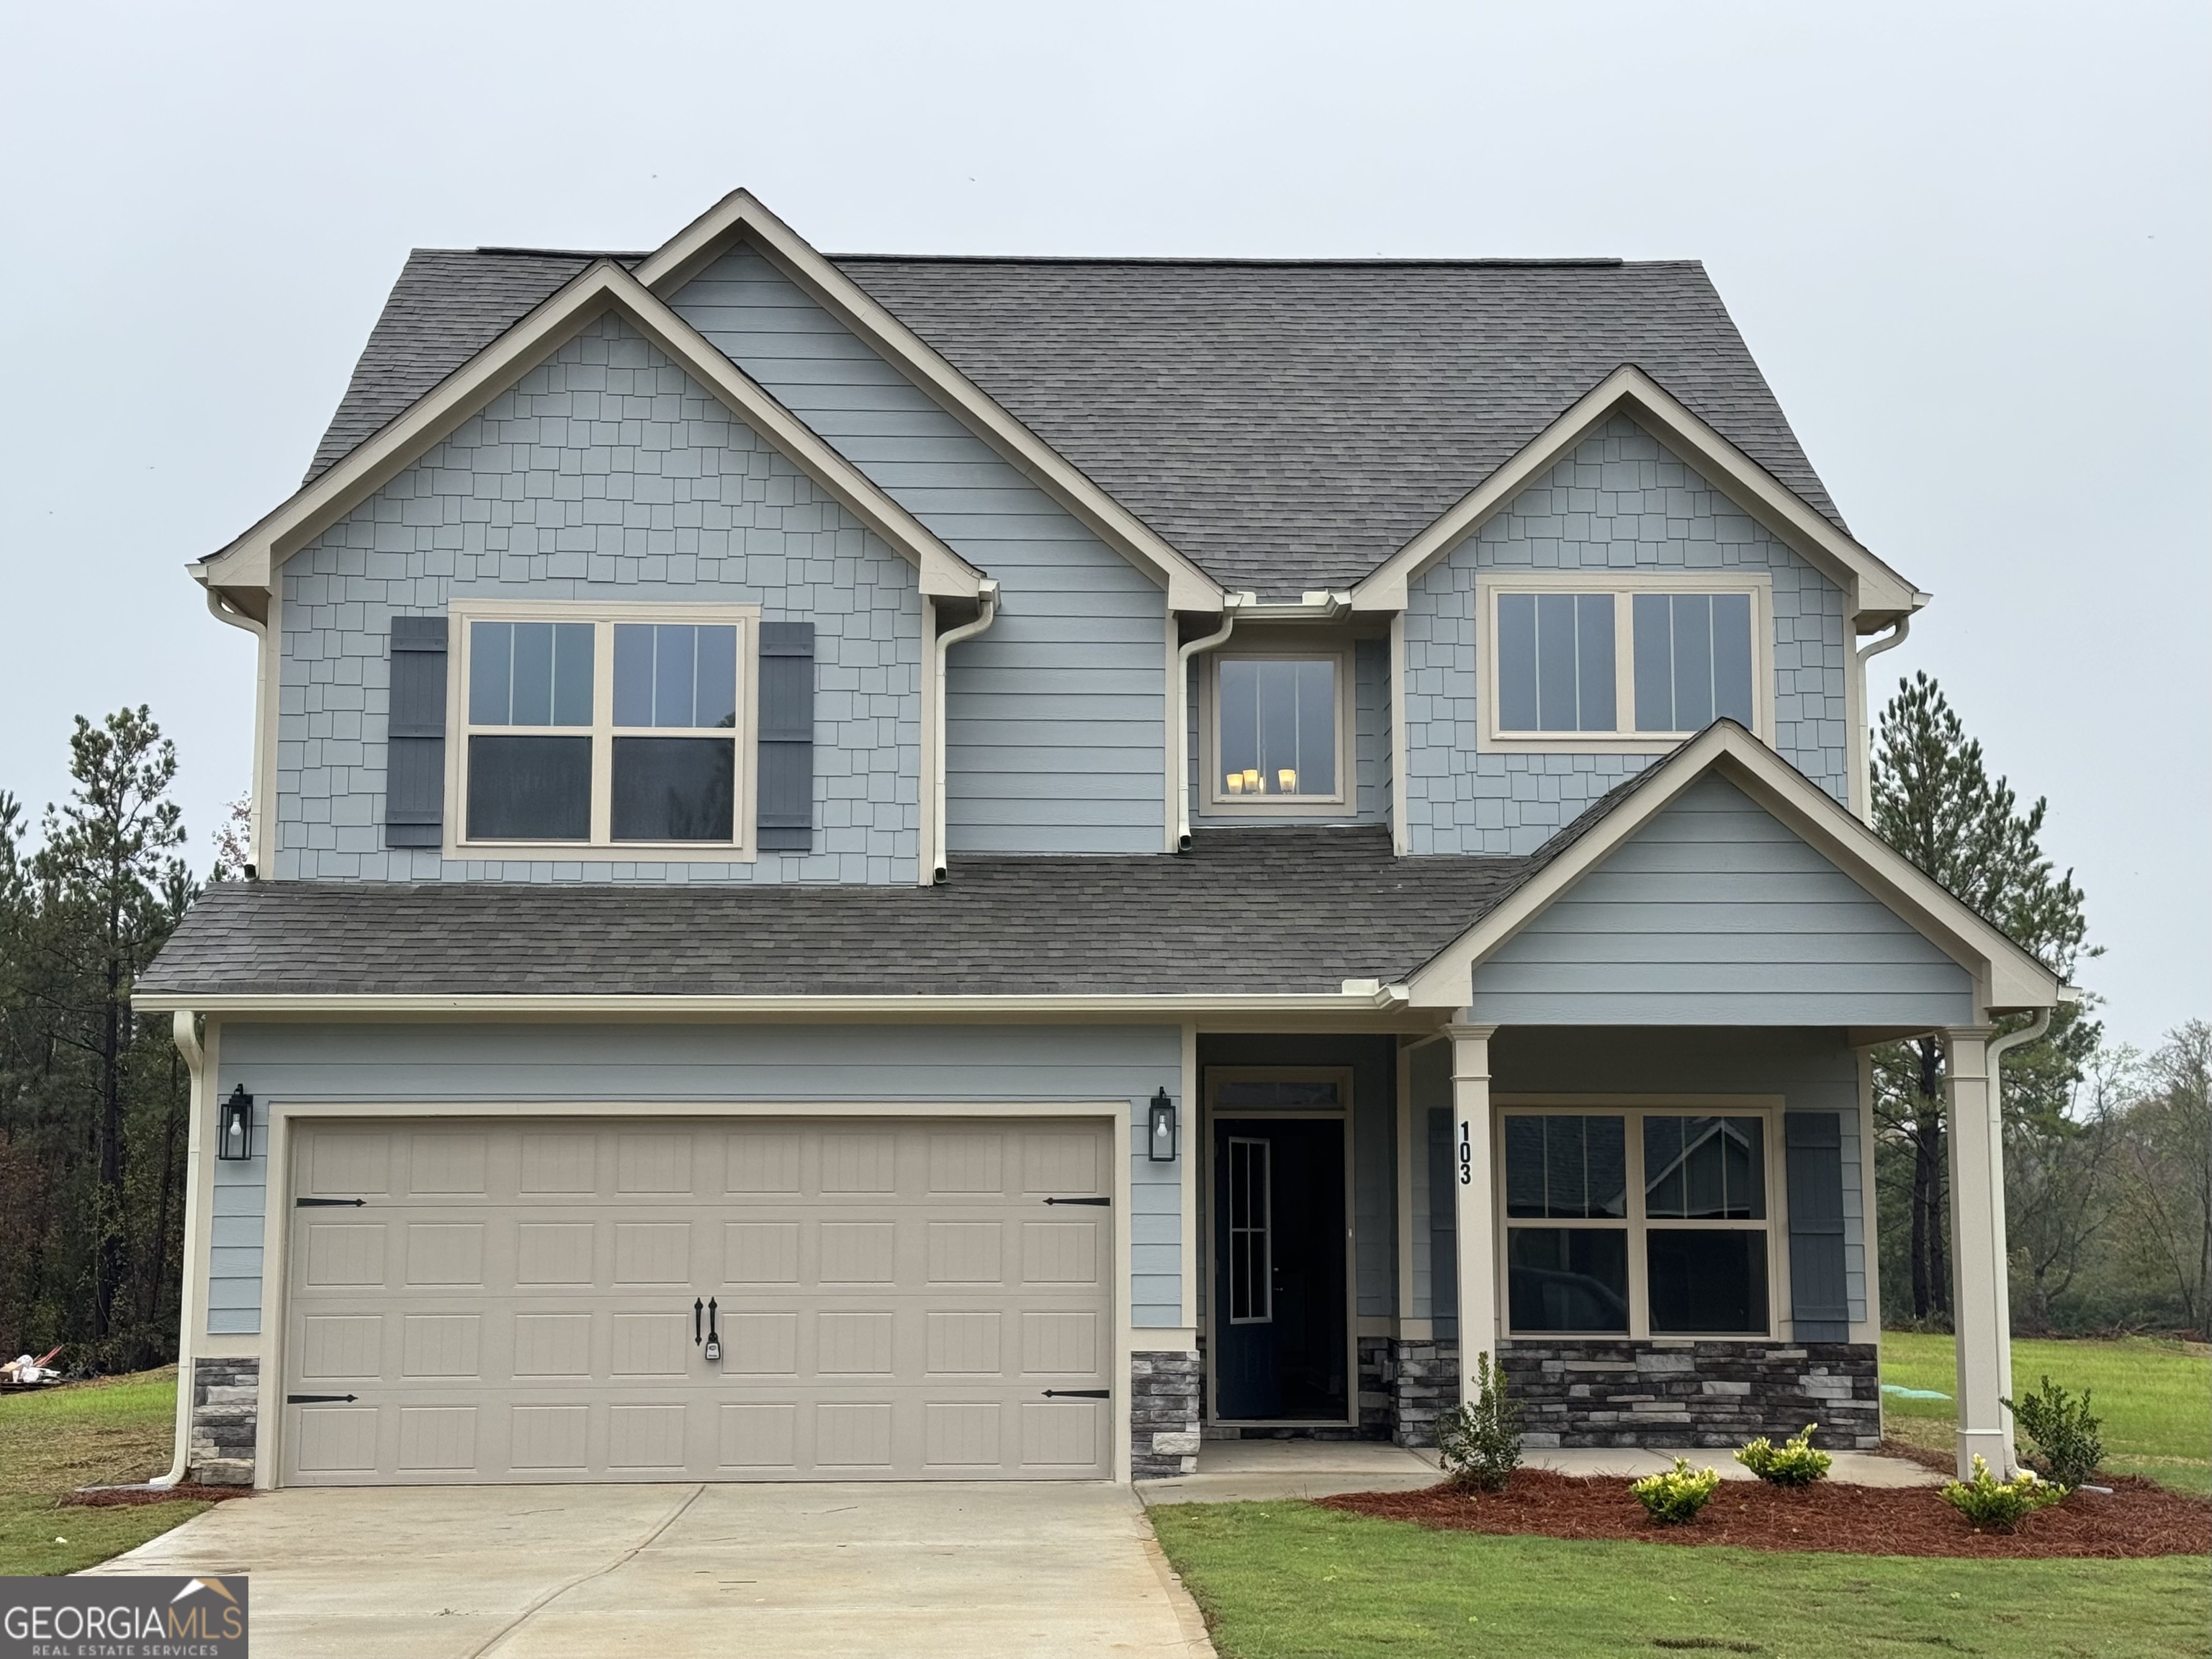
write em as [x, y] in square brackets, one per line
[1279, 1311]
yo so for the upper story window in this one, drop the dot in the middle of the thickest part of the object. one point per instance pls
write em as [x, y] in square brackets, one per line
[1273, 741]
[1586, 660]
[610, 726]
[1642, 1223]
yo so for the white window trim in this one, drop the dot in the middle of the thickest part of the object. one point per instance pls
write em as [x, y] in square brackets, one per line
[1634, 1107]
[1213, 801]
[600, 848]
[1488, 586]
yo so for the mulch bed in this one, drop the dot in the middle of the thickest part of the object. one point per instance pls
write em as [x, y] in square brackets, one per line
[2139, 1519]
[111, 1497]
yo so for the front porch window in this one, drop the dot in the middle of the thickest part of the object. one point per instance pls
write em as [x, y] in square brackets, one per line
[1669, 1214]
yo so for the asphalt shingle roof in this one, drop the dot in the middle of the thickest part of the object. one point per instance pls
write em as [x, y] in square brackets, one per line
[1287, 425]
[1257, 911]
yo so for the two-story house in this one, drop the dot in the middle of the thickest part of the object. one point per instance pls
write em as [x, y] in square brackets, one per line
[983, 867]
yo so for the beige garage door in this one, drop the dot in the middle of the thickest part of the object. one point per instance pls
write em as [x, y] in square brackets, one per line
[484, 1301]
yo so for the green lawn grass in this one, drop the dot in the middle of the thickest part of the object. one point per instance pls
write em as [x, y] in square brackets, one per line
[1292, 1581]
[83, 1434]
[2155, 1397]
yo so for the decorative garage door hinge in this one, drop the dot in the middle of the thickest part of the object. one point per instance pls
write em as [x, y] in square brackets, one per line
[1078, 1201]
[328, 1203]
[320, 1398]
[1079, 1394]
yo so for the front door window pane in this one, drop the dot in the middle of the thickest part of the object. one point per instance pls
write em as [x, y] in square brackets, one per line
[1704, 1168]
[1707, 1281]
[1251, 1257]
[526, 788]
[1567, 1279]
[673, 789]
[1277, 727]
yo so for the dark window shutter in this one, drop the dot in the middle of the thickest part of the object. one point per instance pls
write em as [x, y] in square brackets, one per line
[415, 732]
[1819, 1294]
[785, 794]
[1443, 1220]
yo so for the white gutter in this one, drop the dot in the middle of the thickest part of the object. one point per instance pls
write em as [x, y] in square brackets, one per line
[224, 612]
[1231, 605]
[1356, 995]
[1863, 760]
[184, 1031]
[987, 599]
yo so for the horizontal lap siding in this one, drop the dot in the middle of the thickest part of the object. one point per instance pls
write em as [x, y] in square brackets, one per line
[446, 1069]
[1055, 737]
[1714, 914]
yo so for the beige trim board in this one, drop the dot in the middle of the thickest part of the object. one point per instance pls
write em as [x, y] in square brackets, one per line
[2006, 977]
[250, 562]
[741, 215]
[1170, 1007]
[1874, 591]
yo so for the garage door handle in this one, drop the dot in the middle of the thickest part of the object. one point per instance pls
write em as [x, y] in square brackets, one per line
[328, 1203]
[1079, 1394]
[1078, 1201]
[320, 1398]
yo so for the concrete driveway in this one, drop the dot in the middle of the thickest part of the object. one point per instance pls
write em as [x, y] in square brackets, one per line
[542, 1572]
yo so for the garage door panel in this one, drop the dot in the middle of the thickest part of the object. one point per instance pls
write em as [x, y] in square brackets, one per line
[517, 1303]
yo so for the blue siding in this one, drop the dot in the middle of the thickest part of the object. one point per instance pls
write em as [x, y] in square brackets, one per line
[448, 1067]
[1713, 914]
[1620, 502]
[1812, 1071]
[606, 473]
[1057, 739]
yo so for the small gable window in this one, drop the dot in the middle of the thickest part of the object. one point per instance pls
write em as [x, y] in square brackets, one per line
[1593, 661]
[1275, 739]
[614, 729]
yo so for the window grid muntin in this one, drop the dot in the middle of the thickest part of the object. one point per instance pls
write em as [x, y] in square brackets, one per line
[1639, 1226]
[1251, 1231]
[601, 621]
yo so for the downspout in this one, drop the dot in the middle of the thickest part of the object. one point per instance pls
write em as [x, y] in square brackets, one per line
[223, 612]
[1229, 603]
[1863, 761]
[1994, 1053]
[986, 600]
[183, 1029]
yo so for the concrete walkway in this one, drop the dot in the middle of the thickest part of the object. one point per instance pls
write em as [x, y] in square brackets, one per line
[1250, 1471]
[979, 1570]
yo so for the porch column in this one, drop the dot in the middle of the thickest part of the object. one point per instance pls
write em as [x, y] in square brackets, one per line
[1475, 1200]
[1981, 1309]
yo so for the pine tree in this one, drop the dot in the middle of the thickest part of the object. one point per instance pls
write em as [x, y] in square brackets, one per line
[1935, 801]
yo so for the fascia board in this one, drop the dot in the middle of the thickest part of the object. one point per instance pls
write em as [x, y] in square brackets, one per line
[249, 561]
[1166, 1005]
[1874, 590]
[742, 214]
[2005, 975]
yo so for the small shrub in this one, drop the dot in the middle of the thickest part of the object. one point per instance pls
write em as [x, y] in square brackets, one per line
[1794, 1464]
[1996, 1505]
[1479, 1441]
[2066, 1449]
[1677, 1495]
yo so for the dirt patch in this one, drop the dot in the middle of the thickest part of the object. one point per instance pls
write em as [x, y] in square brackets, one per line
[112, 1497]
[2140, 1519]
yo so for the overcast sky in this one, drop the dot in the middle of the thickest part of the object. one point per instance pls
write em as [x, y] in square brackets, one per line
[1968, 245]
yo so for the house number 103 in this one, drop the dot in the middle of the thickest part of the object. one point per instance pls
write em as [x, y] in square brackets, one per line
[1466, 1156]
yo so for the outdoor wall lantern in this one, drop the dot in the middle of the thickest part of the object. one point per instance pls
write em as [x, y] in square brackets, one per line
[233, 1141]
[1160, 1145]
